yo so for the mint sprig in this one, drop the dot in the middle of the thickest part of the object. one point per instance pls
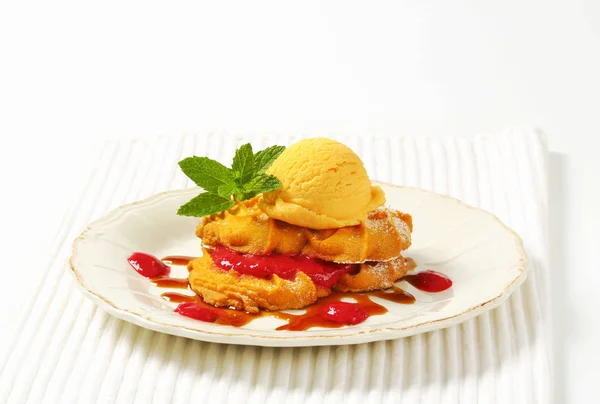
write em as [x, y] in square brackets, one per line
[244, 180]
[264, 158]
[207, 173]
[243, 164]
[205, 204]
[257, 185]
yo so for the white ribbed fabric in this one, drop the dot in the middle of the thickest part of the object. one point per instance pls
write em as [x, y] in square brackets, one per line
[69, 351]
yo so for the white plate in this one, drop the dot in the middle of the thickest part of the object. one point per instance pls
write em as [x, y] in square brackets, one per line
[484, 258]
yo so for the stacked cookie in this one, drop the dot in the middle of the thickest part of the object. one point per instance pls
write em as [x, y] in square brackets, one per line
[357, 258]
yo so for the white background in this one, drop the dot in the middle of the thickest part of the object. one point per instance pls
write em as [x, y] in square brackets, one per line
[75, 74]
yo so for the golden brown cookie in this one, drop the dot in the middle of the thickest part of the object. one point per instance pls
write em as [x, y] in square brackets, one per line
[246, 292]
[373, 276]
[247, 229]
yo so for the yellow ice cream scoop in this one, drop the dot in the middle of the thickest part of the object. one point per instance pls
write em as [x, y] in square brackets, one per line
[324, 185]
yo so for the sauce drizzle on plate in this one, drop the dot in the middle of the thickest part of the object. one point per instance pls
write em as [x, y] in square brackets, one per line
[333, 311]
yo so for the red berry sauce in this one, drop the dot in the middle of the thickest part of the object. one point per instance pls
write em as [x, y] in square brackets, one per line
[323, 273]
[194, 307]
[197, 312]
[330, 311]
[148, 265]
[343, 313]
[429, 281]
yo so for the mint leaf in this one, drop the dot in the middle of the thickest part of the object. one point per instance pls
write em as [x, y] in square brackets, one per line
[227, 190]
[263, 183]
[245, 179]
[259, 184]
[264, 158]
[206, 173]
[243, 164]
[205, 204]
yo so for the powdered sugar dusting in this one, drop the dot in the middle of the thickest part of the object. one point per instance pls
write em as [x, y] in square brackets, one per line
[380, 270]
[377, 219]
[401, 227]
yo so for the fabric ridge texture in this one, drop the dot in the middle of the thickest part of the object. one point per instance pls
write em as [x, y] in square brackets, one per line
[67, 350]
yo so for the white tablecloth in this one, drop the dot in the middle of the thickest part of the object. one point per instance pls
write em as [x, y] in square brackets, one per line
[66, 350]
